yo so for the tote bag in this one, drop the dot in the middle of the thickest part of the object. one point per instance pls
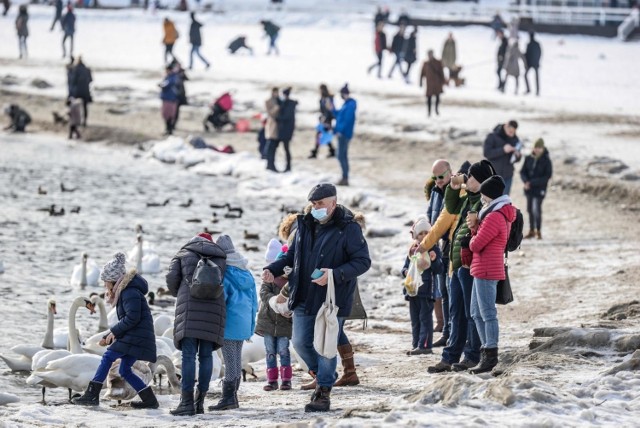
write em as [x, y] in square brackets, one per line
[504, 295]
[325, 336]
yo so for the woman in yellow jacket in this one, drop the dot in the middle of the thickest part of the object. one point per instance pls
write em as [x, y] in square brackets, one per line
[170, 37]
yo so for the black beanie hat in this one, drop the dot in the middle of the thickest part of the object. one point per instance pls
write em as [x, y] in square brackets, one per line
[482, 170]
[464, 168]
[493, 187]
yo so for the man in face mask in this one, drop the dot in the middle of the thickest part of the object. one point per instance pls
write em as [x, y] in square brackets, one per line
[327, 238]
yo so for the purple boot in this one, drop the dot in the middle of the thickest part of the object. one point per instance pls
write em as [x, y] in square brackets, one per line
[272, 379]
[285, 375]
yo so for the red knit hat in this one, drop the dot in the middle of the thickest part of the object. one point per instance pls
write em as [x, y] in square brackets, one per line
[205, 236]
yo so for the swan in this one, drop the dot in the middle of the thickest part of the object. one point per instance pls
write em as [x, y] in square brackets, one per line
[86, 273]
[112, 316]
[118, 388]
[164, 365]
[26, 352]
[168, 333]
[96, 300]
[162, 323]
[6, 398]
[73, 372]
[144, 257]
[92, 344]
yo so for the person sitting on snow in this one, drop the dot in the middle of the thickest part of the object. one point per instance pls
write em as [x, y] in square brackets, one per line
[19, 118]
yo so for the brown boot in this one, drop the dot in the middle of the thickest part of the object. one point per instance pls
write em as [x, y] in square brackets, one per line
[311, 385]
[538, 234]
[531, 234]
[349, 376]
[439, 316]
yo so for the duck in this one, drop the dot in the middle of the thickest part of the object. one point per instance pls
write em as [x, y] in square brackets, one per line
[219, 207]
[194, 220]
[248, 235]
[214, 217]
[75, 210]
[249, 247]
[161, 303]
[42, 190]
[144, 257]
[158, 204]
[120, 390]
[87, 273]
[67, 189]
[54, 213]
[161, 291]
[25, 353]
[237, 211]
[211, 231]
[187, 204]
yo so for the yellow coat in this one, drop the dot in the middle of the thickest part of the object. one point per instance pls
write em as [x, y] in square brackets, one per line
[170, 33]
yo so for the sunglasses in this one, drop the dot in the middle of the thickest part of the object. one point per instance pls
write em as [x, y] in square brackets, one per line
[440, 177]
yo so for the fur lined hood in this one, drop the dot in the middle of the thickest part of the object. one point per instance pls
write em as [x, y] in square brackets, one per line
[287, 226]
[133, 280]
[428, 187]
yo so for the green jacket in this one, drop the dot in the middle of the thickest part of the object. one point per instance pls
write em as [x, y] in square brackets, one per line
[460, 205]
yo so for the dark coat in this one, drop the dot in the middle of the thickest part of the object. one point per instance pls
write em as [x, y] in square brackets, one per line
[287, 120]
[58, 6]
[195, 318]
[339, 245]
[397, 44]
[169, 88]
[80, 80]
[134, 331]
[380, 43]
[538, 173]
[427, 289]
[69, 23]
[502, 52]
[493, 150]
[410, 55]
[194, 33]
[533, 54]
[436, 205]
[327, 112]
[22, 27]
[433, 73]
[270, 28]
[181, 92]
[269, 322]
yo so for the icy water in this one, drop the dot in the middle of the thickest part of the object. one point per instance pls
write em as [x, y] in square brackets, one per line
[113, 185]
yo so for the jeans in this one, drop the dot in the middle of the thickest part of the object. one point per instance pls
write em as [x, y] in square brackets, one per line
[343, 157]
[534, 208]
[64, 49]
[526, 79]
[464, 336]
[126, 361]
[277, 345]
[22, 45]
[270, 149]
[195, 49]
[483, 311]
[507, 185]
[303, 329]
[443, 285]
[377, 64]
[204, 349]
[342, 338]
[421, 311]
[272, 44]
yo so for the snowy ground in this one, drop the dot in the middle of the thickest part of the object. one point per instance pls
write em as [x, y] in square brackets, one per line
[582, 267]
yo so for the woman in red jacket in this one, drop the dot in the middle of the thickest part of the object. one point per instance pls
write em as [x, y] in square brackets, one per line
[489, 234]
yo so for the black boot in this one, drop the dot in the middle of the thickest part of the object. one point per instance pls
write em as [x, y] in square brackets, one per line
[186, 406]
[228, 400]
[148, 398]
[313, 154]
[199, 402]
[91, 396]
[235, 393]
[488, 360]
[320, 400]
[332, 151]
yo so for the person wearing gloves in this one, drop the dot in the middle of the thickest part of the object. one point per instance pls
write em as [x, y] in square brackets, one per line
[274, 326]
[489, 235]
[131, 339]
[242, 305]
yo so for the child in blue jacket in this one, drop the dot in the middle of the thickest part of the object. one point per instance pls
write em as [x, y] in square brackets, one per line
[421, 305]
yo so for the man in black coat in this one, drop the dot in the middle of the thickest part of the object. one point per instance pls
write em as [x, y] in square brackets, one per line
[80, 80]
[327, 238]
[502, 148]
[58, 14]
[502, 52]
[535, 174]
[532, 55]
[410, 55]
[286, 124]
[195, 38]
[398, 49]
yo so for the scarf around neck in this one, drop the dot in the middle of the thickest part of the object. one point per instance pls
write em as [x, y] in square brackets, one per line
[494, 205]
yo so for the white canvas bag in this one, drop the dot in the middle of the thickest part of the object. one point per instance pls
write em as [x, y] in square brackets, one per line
[325, 336]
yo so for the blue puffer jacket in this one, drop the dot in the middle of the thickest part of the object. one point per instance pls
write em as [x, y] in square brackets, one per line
[242, 303]
[169, 87]
[134, 332]
[427, 288]
[339, 245]
[346, 118]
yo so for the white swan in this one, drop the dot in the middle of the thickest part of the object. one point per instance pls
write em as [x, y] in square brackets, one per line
[26, 352]
[118, 388]
[144, 257]
[6, 398]
[86, 273]
[73, 372]
[96, 300]
[161, 323]
[92, 344]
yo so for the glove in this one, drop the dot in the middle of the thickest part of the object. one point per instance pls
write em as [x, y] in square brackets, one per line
[464, 241]
[466, 256]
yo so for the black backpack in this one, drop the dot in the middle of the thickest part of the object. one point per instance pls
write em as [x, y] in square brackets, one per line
[206, 282]
[516, 234]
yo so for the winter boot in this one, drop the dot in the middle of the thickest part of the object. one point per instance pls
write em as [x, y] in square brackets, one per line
[441, 342]
[311, 385]
[286, 374]
[464, 365]
[228, 400]
[320, 400]
[186, 406]
[488, 360]
[313, 154]
[349, 376]
[91, 396]
[343, 182]
[531, 234]
[148, 398]
[441, 367]
[199, 402]
[235, 393]
[332, 151]
[272, 380]
[538, 234]
[439, 316]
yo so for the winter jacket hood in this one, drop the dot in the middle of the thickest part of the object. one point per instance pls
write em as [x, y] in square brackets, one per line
[241, 303]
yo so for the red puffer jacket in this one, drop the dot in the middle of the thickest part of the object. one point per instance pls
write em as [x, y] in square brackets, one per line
[489, 242]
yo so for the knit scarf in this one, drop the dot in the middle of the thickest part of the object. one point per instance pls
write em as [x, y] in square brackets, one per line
[494, 205]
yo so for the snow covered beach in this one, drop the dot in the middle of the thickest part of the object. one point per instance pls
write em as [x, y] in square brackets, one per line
[582, 268]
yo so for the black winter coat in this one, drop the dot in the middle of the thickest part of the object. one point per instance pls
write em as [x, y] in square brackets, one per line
[502, 51]
[269, 322]
[494, 151]
[533, 54]
[339, 245]
[195, 318]
[537, 172]
[397, 44]
[327, 113]
[410, 55]
[80, 80]
[134, 332]
[194, 33]
[287, 120]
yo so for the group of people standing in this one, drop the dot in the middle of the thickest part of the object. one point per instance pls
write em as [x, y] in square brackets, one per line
[67, 24]
[510, 57]
[403, 48]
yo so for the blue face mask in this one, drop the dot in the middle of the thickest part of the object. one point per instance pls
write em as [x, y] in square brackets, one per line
[319, 214]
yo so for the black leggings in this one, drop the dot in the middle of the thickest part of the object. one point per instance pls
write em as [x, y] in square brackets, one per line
[429, 104]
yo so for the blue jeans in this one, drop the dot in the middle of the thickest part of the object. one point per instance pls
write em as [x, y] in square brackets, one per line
[204, 349]
[483, 311]
[507, 185]
[464, 336]
[421, 311]
[277, 345]
[342, 338]
[195, 49]
[303, 328]
[343, 157]
[126, 361]
[443, 285]
[272, 44]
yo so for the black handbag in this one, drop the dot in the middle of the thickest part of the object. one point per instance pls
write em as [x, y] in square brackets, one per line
[504, 295]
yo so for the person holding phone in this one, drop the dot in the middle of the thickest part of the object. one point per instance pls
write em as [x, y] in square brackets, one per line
[327, 238]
